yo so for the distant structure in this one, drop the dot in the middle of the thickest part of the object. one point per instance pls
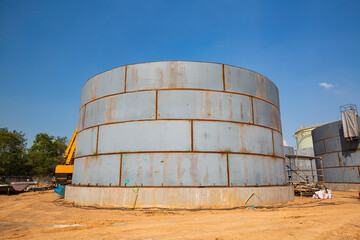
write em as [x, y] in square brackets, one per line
[178, 134]
[304, 142]
[338, 145]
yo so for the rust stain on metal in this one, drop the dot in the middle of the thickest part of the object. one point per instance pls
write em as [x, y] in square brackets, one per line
[93, 88]
[273, 145]
[241, 111]
[260, 87]
[180, 89]
[193, 170]
[97, 140]
[231, 108]
[125, 78]
[177, 75]
[252, 111]
[228, 169]
[156, 105]
[151, 170]
[192, 134]
[121, 163]
[223, 76]
[110, 109]
[206, 177]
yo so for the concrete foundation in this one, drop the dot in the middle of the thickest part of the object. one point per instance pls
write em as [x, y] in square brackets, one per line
[183, 198]
[343, 186]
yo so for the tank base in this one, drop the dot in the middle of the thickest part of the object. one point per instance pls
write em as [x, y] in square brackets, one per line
[343, 186]
[183, 198]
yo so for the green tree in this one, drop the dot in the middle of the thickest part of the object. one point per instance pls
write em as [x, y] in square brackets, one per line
[45, 153]
[13, 156]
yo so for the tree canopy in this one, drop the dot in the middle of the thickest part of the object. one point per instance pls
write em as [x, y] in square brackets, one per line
[39, 160]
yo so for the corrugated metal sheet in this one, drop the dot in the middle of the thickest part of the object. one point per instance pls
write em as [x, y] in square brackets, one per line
[204, 105]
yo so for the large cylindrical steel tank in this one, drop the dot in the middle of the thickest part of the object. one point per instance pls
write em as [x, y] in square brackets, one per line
[341, 158]
[189, 134]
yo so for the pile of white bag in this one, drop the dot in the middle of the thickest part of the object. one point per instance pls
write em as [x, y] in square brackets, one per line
[323, 194]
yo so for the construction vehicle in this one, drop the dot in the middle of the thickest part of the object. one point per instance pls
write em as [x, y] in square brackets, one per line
[64, 172]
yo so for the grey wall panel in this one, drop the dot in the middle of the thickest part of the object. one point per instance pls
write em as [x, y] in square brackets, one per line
[174, 74]
[174, 169]
[124, 107]
[319, 147]
[106, 83]
[332, 144]
[86, 142]
[97, 170]
[252, 170]
[330, 160]
[81, 119]
[289, 150]
[349, 158]
[204, 105]
[343, 174]
[231, 137]
[145, 136]
[326, 131]
[248, 82]
[266, 114]
[278, 144]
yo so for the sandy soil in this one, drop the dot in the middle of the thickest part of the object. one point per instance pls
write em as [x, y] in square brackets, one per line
[44, 215]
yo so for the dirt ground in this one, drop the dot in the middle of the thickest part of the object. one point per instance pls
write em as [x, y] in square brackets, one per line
[44, 215]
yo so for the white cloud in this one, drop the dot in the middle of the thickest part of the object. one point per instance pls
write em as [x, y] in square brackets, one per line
[326, 85]
[285, 143]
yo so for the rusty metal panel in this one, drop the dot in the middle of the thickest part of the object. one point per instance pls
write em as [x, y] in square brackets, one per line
[278, 144]
[326, 131]
[231, 137]
[319, 148]
[248, 82]
[332, 144]
[272, 92]
[174, 74]
[106, 83]
[86, 142]
[85, 93]
[330, 160]
[174, 169]
[266, 114]
[250, 170]
[97, 170]
[343, 174]
[204, 105]
[81, 119]
[145, 136]
[349, 158]
[124, 107]
[289, 150]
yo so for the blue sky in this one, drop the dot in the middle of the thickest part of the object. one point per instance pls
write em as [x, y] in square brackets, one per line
[48, 49]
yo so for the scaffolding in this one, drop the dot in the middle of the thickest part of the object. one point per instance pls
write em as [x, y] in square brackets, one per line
[305, 173]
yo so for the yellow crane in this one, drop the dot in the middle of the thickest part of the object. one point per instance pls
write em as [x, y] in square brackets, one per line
[63, 172]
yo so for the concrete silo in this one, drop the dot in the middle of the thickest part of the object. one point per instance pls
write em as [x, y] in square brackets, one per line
[178, 134]
[341, 158]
